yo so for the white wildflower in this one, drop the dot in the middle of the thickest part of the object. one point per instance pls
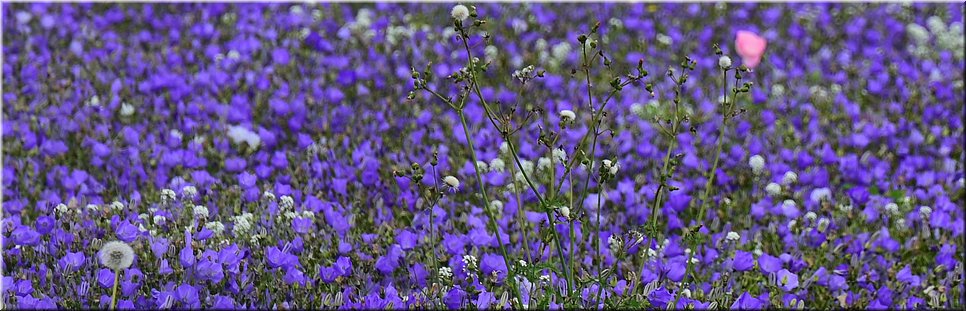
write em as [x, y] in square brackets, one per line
[200, 211]
[497, 165]
[189, 192]
[117, 205]
[810, 216]
[559, 155]
[287, 202]
[61, 209]
[757, 164]
[567, 115]
[789, 178]
[565, 212]
[159, 220]
[892, 208]
[925, 212]
[773, 189]
[268, 195]
[451, 181]
[215, 226]
[733, 236]
[239, 134]
[470, 262]
[482, 166]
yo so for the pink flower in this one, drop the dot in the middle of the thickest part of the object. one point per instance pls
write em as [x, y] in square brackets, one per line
[750, 47]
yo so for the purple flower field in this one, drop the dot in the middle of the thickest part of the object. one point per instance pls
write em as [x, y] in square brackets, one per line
[483, 156]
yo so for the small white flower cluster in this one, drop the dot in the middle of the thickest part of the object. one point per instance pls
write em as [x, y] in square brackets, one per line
[810, 216]
[62, 209]
[482, 166]
[215, 226]
[845, 208]
[615, 243]
[757, 164]
[524, 74]
[92, 207]
[470, 262]
[287, 203]
[563, 210]
[452, 182]
[445, 272]
[559, 155]
[789, 178]
[117, 206]
[243, 223]
[733, 236]
[611, 167]
[925, 212]
[892, 208]
[268, 196]
[497, 165]
[159, 220]
[189, 192]
[567, 116]
[200, 211]
[773, 189]
[239, 134]
[168, 196]
[496, 207]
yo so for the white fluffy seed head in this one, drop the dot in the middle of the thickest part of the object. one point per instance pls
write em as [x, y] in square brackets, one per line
[757, 164]
[773, 189]
[460, 12]
[724, 62]
[567, 115]
[451, 181]
[116, 255]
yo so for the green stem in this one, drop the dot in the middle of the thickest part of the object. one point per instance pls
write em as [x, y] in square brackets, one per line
[486, 201]
[117, 277]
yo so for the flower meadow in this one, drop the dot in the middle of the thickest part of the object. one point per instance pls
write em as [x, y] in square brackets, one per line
[483, 156]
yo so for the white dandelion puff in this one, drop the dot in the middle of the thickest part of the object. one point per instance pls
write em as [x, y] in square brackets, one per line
[116, 255]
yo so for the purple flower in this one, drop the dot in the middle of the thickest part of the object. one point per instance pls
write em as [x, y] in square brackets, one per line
[787, 280]
[44, 224]
[187, 256]
[208, 270]
[769, 263]
[25, 236]
[302, 225]
[744, 261]
[105, 278]
[126, 232]
[454, 297]
[660, 298]
[905, 275]
[72, 261]
[223, 303]
[188, 295]
[490, 264]
[746, 302]
[294, 275]
[277, 258]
